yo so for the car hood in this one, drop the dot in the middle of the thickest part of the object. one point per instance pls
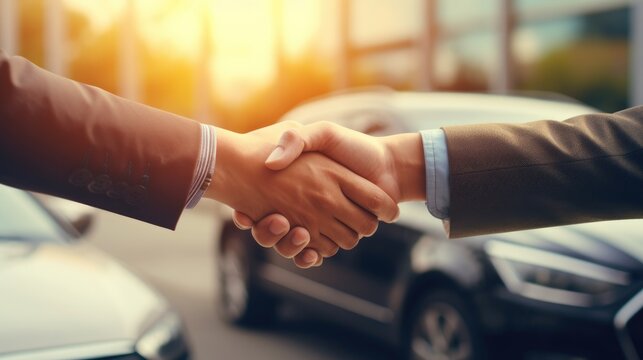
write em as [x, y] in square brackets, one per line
[57, 295]
[618, 244]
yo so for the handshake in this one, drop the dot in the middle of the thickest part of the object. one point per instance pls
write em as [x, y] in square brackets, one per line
[308, 191]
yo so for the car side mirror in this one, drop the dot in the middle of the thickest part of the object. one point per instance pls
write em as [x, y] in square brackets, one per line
[77, 218]
[81, 217]
[82, 222]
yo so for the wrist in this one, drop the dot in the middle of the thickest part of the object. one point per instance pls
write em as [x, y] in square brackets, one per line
[408, 158]
[222, 176]
[238, 156]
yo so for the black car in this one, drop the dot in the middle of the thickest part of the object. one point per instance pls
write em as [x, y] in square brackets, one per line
[564, 292]
[61, 298]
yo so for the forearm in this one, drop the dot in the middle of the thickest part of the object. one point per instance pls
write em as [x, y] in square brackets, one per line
[546, 173]
[52, 127]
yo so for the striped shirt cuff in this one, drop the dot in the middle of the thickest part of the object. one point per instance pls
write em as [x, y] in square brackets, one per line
[205, 165]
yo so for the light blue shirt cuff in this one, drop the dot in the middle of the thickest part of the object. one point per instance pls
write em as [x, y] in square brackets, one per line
[436, 161]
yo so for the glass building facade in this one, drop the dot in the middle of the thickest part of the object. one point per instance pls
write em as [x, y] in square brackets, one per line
[582, 49]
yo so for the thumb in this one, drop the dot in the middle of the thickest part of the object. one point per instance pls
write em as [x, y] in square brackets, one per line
[291, 145]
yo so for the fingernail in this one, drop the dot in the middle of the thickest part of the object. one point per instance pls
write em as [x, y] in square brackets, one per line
[277, 228]
[299, 239]
[276, 154]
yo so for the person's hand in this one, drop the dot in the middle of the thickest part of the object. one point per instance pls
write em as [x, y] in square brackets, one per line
[336, 206]
[395, 163]
[273, 231]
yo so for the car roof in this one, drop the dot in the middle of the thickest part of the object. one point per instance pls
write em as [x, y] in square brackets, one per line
[466, 108]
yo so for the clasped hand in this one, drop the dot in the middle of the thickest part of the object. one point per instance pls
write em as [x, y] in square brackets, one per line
[331, 184]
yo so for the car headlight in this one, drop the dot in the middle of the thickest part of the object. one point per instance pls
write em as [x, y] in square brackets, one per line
[164, 340]
[555, 278]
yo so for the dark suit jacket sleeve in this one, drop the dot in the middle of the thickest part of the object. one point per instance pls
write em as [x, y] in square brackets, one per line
[52, 127]
[545, 173]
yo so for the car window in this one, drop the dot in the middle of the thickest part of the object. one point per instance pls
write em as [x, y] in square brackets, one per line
[22, 218]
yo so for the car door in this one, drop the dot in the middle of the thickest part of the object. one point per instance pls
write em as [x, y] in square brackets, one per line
[360, 280]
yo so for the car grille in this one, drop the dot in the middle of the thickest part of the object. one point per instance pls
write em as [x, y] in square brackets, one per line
[629, 327]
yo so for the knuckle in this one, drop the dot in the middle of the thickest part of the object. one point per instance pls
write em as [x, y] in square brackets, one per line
[325, 124]
[290, 135]
[375, 202]
[324, 201]
[327, 127]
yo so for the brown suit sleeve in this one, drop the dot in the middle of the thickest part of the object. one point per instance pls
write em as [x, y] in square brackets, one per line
[54, 132]
[545, 173]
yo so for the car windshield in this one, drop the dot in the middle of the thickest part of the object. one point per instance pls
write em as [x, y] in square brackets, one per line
[22, 218]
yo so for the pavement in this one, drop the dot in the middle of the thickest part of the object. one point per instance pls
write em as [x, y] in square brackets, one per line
[180, 265]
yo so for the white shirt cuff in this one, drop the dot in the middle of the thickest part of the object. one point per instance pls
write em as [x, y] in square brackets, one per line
[204, 167]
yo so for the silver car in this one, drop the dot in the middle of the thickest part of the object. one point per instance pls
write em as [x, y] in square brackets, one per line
[61, 298]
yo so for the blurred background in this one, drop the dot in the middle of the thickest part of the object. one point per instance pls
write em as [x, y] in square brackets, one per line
[242, 64]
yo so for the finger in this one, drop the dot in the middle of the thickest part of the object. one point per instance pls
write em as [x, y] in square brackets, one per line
[355, 222]
[371, 198]
[307, 258]
[343, 235]
[320, 136]
[241, 220]
[290, 146]
[323, 245]
[360, 221]
[293, 243]
[269, 230]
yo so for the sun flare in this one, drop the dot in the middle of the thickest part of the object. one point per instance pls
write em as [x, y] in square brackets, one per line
[242, 33]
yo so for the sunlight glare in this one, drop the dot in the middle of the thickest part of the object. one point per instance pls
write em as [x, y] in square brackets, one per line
[302, 22]
[244, 46]
[242, 32]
